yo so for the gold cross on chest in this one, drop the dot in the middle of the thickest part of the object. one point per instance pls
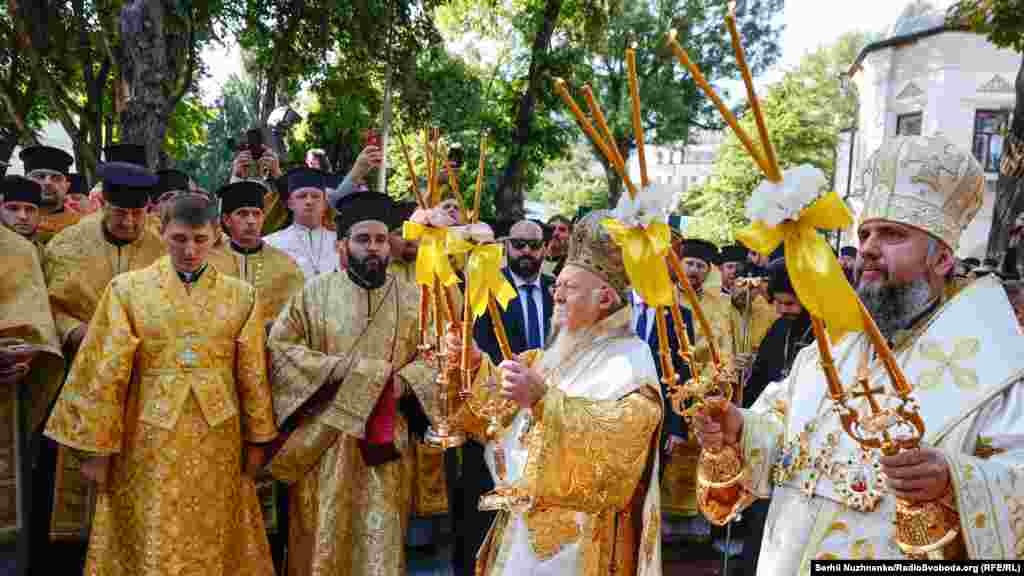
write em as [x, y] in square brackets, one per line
[188, 356]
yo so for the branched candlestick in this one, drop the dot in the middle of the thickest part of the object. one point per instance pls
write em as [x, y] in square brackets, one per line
[445, 433]
[716, 382]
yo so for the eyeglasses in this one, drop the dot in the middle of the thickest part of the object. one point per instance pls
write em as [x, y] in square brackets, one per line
[522, 244]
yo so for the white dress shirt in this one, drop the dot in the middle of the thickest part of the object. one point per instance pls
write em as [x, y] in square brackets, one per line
[312, 249]
[649, 312]
[538, 302]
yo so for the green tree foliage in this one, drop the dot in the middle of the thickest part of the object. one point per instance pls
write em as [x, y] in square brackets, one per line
[208, 160]
[804, 112]
[1000, 21]
[571, 182]
[23, 111]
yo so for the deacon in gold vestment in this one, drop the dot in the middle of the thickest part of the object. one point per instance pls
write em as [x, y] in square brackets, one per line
[24, 316]
[343, 351]
[166, 394]
[960, 352]
[274, 274]
[579, 430]
[751, 315]
[49, 167]
[80, 263]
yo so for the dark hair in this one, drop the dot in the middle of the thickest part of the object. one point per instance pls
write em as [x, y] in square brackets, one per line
[190, 209]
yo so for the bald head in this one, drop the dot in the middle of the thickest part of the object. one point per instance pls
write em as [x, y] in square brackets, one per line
[526, 249]
[526, 230]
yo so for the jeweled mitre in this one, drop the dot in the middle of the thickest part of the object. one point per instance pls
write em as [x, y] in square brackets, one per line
[926, 182]
[592, 248]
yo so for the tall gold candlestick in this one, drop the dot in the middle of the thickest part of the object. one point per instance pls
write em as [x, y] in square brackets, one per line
[773, 172]
[698, 310]
[727, 114]
[412, 173]
[638, 128]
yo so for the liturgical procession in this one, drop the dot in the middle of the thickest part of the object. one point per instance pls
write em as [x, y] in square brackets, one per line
[503, 288]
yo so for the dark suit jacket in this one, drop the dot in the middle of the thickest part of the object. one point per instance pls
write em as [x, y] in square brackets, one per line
[515, 324]
[672, 422]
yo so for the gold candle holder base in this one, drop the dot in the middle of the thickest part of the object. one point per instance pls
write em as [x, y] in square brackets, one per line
[506, 499]
[928, 531]
[443, 436]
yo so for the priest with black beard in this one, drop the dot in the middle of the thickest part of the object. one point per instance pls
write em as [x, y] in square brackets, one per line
[348, 385]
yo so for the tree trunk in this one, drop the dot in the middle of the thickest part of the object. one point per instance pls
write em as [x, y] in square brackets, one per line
[509, 198]
[7, 145]
[1009, 191]
[157, 63]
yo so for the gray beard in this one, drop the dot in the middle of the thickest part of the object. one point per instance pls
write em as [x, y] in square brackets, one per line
[895, 307]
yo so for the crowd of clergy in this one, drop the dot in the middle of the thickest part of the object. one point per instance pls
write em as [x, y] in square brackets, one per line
[240, 382]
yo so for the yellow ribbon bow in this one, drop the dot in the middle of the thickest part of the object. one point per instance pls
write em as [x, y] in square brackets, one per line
[643, 253]
[813, 269]
[431, 258]
[483, 274]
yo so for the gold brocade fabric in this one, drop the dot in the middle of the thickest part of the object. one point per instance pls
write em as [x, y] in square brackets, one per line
[345, 517]
[587, 475]
[717, 308]
[430, 488]
[172, 382]
[757, 322]
[679, 480]
[274, 274]
[80, 262]
[24, 314]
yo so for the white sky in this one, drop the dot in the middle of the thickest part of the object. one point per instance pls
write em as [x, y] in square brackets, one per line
[809, 24]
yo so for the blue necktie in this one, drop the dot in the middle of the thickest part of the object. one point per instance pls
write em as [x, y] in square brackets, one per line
[641, 323]
[532, 318]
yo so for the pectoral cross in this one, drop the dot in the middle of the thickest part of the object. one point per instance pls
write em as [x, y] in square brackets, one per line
[188, 356]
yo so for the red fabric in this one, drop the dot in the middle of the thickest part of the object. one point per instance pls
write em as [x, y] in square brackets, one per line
[380, 429]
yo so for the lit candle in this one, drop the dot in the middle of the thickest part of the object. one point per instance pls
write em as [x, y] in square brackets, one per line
[683, 338]
[835, 385]
[773, 172]
[668, 371]
[638, 128]
[424, 314]
[899, 380]
[727, 114]
[602, 124]
[479, 178]
[412, 173]
[585, 124]
[499, 330]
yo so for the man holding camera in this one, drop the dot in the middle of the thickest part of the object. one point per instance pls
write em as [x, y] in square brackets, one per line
[260, 163]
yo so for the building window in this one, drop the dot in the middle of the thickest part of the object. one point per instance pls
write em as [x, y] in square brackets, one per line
[909, 124]
[989, 127]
